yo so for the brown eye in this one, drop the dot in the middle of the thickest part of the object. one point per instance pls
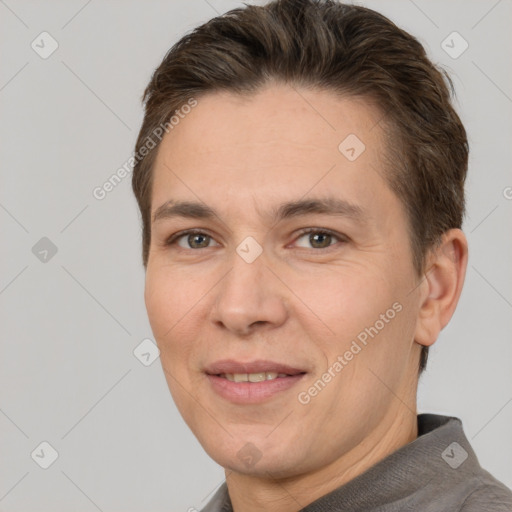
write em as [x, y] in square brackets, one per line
[190, 239]
[318, 239]
[202, 241]
[195, 240]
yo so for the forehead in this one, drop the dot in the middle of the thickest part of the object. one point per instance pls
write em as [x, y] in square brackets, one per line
[276, 114]
[277, 144]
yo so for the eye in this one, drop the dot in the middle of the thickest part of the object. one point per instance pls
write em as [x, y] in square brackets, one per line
[192, 239]
[320, 238]
[197, 239]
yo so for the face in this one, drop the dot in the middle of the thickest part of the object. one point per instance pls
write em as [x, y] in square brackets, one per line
[283, 350]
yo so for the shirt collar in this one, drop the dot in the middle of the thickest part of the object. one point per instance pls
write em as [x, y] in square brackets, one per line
[415, 467]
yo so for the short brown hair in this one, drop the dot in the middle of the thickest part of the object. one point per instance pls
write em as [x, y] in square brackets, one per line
[346, 49]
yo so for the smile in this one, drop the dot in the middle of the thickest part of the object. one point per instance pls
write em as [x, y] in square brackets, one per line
[251, 382]
[252, 377]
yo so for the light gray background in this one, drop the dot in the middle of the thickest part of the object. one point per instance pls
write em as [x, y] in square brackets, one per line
[68, 374]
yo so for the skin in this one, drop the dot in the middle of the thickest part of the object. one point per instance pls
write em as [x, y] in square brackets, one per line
[297, 303]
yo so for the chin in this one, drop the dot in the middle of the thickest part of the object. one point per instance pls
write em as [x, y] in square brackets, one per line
[253, 459]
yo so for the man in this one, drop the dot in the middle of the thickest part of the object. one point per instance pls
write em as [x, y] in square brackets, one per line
[300, 174]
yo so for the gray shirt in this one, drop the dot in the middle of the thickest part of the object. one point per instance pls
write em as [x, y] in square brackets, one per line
[437, 472]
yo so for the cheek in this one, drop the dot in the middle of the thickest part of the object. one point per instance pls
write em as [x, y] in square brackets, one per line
[176, 307]
[368, 325]
[160, 304]
[345, 299]
[169, 298]
[169, 302]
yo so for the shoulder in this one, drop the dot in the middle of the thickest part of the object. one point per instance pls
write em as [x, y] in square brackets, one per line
[490, 495]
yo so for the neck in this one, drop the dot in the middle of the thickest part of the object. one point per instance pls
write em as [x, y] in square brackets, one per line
[249, 493]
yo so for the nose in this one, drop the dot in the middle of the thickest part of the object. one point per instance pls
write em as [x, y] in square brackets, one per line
[250, 297]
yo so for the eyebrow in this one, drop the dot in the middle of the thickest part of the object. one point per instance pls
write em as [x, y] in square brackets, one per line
[327, 205]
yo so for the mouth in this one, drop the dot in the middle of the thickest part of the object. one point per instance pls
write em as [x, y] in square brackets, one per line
[253, 377]
[252, 382]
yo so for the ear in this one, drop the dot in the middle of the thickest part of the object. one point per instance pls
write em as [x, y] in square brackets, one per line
[441, 286]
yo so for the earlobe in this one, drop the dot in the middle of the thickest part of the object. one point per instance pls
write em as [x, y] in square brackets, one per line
[441, 287]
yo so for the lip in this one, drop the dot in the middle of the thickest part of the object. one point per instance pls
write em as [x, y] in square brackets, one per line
[232, 366]
[251, 392]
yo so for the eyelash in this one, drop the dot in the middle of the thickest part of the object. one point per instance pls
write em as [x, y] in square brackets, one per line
[173, 239]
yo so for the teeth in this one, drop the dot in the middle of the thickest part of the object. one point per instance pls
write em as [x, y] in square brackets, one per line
[257, 377]
[252, 377]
